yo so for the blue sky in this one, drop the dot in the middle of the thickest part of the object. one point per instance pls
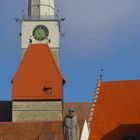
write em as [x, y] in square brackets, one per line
[98, 34]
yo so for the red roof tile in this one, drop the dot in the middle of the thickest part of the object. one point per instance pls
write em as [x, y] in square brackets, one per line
[52, 130]
[37, 70]
[31, 131]
[117, 111]
[82, 109]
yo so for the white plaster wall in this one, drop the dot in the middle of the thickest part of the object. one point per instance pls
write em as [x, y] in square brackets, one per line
[85, 132]
[43, 105]
[41, 7]
[18, 116]
[36, 111]
[35, 10]
[48, 9]
[27, 29]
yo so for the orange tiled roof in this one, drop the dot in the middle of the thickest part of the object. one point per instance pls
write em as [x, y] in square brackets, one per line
[117, 111]
[37, 70]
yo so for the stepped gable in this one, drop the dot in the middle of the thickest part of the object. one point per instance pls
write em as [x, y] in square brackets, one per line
[117, 111]
[38, 71]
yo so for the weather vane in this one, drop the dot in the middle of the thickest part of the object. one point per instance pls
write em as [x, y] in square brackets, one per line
[18, 20]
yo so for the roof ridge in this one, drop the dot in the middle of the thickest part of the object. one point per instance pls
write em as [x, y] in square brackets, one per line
[114, 81]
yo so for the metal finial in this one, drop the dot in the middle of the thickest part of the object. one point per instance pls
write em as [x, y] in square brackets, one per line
[102, 70]
[22, 12]
[18, 20]
[57, 10]
[101, 75]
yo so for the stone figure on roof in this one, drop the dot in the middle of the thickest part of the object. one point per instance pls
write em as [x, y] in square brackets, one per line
[71, 127]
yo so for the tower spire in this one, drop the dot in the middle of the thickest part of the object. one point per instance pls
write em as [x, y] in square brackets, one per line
[41, 8]
[41, 26]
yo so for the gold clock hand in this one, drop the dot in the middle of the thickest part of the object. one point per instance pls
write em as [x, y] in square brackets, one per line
[39, 34]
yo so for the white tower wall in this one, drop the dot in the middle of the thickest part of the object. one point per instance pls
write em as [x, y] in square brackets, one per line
[41, 8]
[41, 12]
[53, 27]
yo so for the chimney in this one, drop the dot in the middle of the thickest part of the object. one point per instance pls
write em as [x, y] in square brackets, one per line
[71, 127]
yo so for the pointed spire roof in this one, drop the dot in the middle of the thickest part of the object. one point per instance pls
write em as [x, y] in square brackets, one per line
[37, 70]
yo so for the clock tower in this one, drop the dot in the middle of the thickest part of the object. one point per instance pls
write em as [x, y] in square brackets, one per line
[41, 26]
[37, 86]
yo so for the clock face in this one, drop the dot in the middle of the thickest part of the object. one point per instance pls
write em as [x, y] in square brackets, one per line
[40, 32]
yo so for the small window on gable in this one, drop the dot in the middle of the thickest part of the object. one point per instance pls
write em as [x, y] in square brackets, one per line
[47, 90]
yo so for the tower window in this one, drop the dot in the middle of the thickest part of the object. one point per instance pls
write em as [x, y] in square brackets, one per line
[47, 90]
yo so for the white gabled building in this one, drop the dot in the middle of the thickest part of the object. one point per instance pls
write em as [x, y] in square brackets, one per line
[85, 132]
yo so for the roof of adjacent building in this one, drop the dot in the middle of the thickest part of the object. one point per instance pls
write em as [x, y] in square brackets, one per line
[49, 130]
[37, 70]
[117, 111]
[82, 109]
[32, 131]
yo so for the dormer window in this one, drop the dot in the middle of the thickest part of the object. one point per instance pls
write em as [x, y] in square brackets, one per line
[47, 90]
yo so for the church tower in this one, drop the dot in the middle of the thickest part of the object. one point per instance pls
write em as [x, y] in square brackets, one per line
[37, 86]
[41, 26]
